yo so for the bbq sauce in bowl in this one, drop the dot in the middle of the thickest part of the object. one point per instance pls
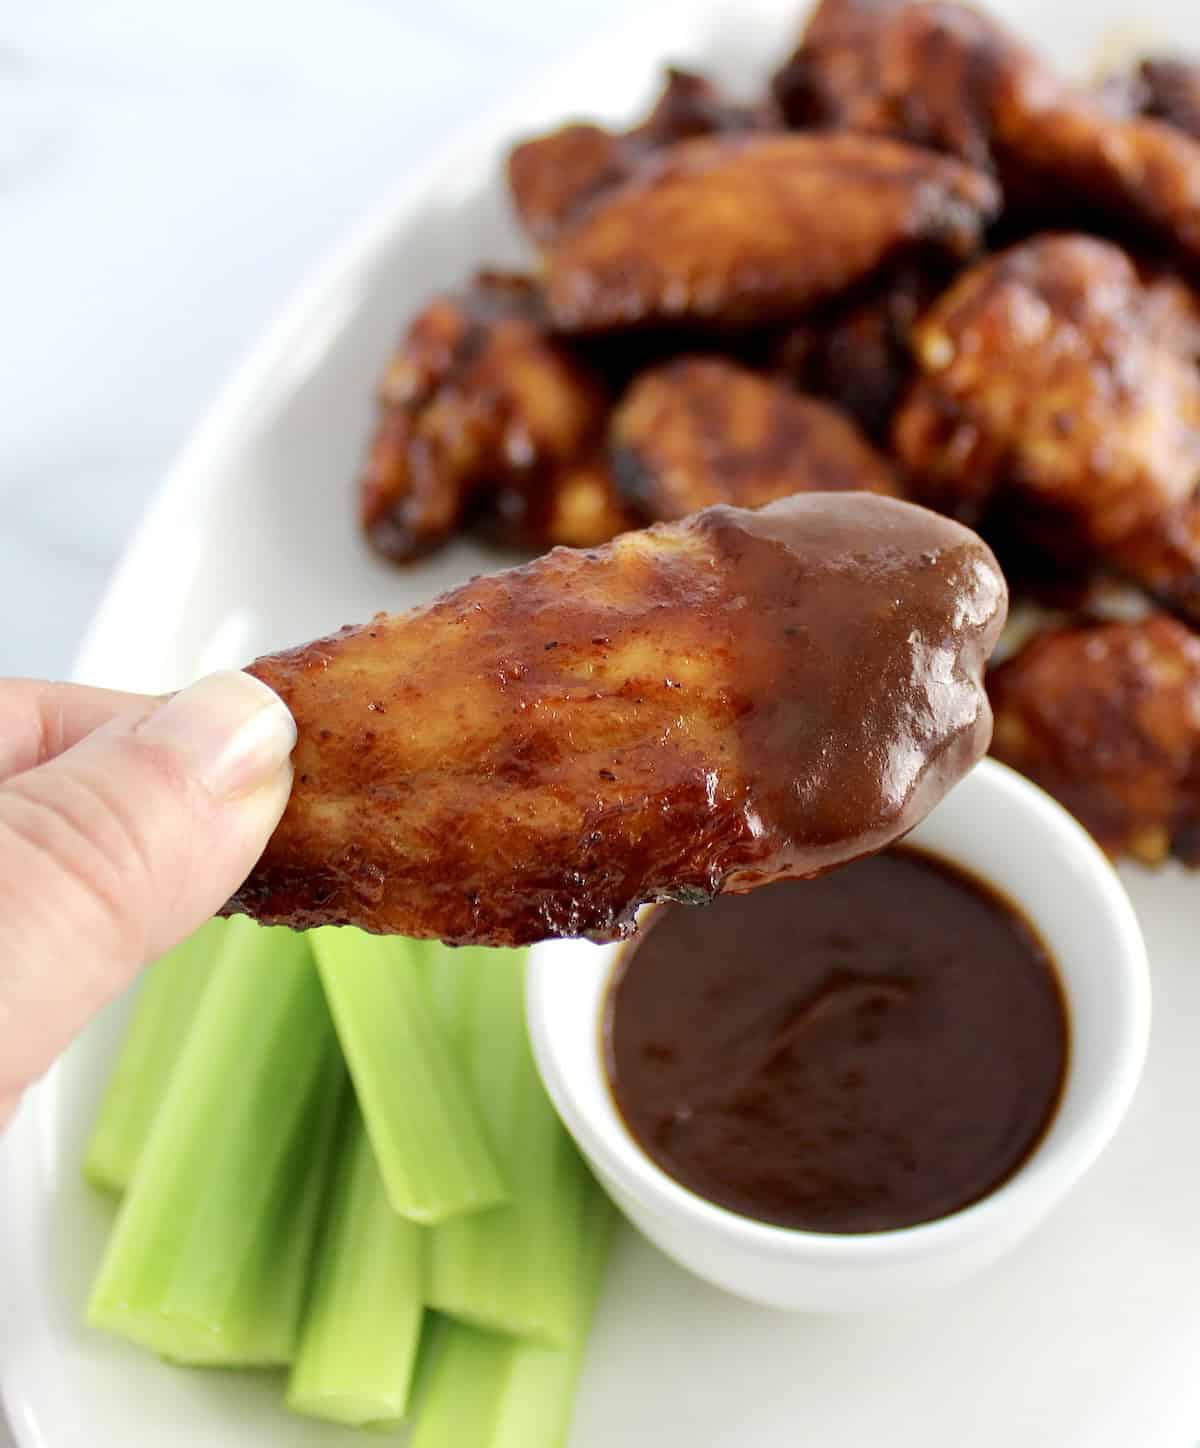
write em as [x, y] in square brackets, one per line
[862, 1052]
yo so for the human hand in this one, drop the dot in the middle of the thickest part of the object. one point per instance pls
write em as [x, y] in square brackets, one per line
[125, 822]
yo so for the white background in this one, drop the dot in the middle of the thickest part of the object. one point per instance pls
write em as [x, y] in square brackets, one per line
[169, 171]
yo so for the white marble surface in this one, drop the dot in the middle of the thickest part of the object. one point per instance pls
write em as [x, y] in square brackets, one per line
[170, 170]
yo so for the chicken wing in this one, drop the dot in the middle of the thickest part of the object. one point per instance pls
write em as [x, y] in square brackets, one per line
[1164, 559]
[479, 395]
[858, 355]
[553, 177]
[947, 76]
[1106, 717]
[700, 707]
[579, 506]
[702, 430]
[923, 72]
[1054, 372]
[740, 230]
[1163, 86]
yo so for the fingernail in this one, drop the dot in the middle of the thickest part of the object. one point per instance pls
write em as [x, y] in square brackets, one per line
[235, 732]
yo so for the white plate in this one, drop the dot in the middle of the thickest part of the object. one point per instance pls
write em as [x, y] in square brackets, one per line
[1089, 1337]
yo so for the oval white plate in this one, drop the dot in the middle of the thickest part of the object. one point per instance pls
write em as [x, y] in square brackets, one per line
[1088, 1337]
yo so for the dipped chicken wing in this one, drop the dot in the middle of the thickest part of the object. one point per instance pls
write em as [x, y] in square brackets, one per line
[554, 177]
[732, 231]
[479, 395]
[947, 76]
[1106, 717]
[1054, 373]
[701, 707]
[702, 430]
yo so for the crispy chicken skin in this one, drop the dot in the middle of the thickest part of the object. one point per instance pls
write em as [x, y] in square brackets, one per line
[702, 430]
[554, 177]
[1054, 373]
[947, 76]
[1106, 717]
[733, 231]
[477, 396]
[700, 707]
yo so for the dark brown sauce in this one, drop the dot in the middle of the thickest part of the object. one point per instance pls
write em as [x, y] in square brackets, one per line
[861, 1052]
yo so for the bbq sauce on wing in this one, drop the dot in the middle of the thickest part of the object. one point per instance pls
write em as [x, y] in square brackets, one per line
[865, 1051]
[701, 707]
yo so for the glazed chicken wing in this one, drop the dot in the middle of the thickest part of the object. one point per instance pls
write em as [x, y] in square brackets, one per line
[702, 430]
[1163, 558]
[700, 707]
[858, 354]
[947, 76]
[1106, 717]
[1057, 375]
[579, 506]
[1171, 92]
[554, 177]
[734, 231]
[924, 72]
[479, 395]
[1163, 86]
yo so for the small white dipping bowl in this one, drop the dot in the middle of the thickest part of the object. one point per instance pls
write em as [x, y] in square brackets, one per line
[1005, 831]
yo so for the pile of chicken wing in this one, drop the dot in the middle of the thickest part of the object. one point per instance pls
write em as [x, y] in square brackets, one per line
[920, 263]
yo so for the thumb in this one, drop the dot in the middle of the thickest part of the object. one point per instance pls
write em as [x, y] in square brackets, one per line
[114, 851]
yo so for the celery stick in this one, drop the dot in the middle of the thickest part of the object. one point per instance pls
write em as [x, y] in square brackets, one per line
[542, 1381]
[363, 1320]
[208, 1262]
[463, 1374]
[163, 1014]
[426, 1131]
[483, 1390]
[509, 1269]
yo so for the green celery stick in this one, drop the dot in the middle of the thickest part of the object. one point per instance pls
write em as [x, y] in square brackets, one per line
[484, 1390]
[162, 1016]
[363, 1320]
[509, 1269]
[209, 1259]
[425, 1128]
[464, 1371]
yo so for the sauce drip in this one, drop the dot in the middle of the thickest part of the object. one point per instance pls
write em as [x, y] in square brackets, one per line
[865, 1051]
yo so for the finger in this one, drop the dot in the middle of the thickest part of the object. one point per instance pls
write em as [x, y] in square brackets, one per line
[39, 721]
[114, 851]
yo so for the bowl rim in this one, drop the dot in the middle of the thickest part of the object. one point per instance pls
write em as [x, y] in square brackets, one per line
[1060, 1158]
